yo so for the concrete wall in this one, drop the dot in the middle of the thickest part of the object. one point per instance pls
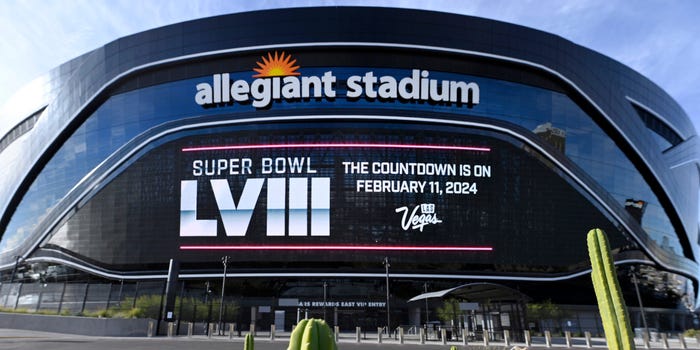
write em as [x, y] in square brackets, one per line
[115, 327]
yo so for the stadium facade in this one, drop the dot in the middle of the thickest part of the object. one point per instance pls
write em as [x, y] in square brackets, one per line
[311, 146]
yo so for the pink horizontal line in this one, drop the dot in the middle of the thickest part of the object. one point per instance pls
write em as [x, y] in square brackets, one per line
[334, 247]
[338, 145]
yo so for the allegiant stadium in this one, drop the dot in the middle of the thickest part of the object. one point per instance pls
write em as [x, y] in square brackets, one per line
[360, 164]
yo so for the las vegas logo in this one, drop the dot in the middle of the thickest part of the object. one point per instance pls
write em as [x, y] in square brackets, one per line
[416, 220]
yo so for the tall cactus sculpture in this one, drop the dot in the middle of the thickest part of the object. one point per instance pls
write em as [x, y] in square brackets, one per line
[312, 334]
[249, 342]
[613, 311]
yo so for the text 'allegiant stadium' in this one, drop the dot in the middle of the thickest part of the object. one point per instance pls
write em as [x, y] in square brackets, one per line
[261, 92]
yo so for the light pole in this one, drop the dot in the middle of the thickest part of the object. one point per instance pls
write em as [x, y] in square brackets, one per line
[388, 309]
[224, 260]
[325, 286]
[425, 290]
[639, 298]
[14, 270]
[207, 302]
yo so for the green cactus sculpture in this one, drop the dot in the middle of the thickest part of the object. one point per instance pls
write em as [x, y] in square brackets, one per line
[312, 334]
[249, 342]
[613, 311]
[453, 347]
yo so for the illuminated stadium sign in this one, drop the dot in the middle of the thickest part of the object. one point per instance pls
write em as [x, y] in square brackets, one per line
[277, 80]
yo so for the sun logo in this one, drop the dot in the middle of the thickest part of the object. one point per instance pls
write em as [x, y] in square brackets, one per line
[276, 66]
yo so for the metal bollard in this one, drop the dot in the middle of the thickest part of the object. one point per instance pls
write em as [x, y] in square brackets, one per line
[190, 329]
[588, 339]
[443, 335]
[272, 332]
[358, 334]
[528, 338]
[645, 339]
[506, 337]
[336, 334]
[464, 337]
[171, 329]
[151, 325]
[548, 338]
[400, 335]
[231, 330]
[486, 338]
[681, 339]
[252, 330]
[567, 335]
[664, 340]
[380, 332]
[422, 336]
[211, 330]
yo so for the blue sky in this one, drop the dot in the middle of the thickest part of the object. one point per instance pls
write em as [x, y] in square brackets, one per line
[658, 38]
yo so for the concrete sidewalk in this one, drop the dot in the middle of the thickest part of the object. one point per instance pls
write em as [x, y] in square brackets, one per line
[25, 340]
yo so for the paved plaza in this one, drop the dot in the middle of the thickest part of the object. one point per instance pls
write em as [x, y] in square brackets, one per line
[32, 340]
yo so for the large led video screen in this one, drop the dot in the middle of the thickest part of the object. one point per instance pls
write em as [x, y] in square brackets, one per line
[337, 196]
